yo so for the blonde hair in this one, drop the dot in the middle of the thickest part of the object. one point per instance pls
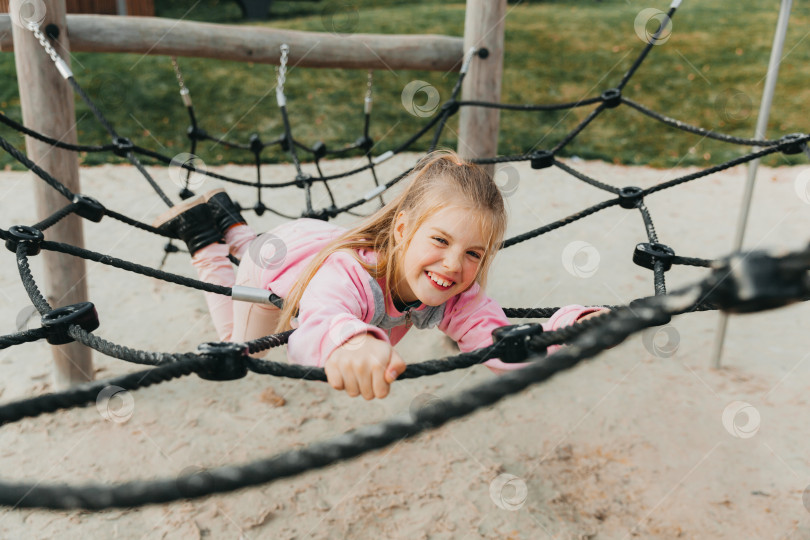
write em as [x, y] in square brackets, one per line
[441, 179]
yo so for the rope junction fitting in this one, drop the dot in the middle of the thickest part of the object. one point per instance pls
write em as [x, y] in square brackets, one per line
[742, 283]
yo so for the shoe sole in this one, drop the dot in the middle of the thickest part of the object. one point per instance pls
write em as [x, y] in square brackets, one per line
[175, 211]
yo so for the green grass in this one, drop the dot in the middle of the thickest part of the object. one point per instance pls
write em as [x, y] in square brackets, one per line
[555, 51]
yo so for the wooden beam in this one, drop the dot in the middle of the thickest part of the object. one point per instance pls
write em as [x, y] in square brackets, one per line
[152, 35]
[478, 126]
[46, 100]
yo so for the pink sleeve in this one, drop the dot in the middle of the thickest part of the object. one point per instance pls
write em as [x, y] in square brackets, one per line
[470, 322]
[336, 306]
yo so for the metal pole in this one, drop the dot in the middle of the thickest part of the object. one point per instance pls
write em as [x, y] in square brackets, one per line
[762, 124]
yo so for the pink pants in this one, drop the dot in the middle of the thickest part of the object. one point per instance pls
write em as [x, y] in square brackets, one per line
[234, 320]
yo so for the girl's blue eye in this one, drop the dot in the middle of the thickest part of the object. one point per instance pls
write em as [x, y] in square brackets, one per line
[440, 239]
[474, 254]
[443, 241]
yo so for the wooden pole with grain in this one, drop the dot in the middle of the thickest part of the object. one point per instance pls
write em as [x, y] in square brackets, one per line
[46, 100]
[478, 126]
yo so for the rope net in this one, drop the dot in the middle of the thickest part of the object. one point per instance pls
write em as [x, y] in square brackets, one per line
[739, 283]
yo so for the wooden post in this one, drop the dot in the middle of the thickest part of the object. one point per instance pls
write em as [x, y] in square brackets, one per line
[478, 126]
[46, 100]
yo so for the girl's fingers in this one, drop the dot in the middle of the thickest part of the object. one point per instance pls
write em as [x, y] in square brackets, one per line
[333, 376]
[350, 382]
[395, 367]
[378, 381]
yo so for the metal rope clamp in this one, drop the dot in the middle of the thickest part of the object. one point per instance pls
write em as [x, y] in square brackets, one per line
[512, 343]
[89, 208]
[59, 320]
[29, 236]
[646, 254]
[228, 361]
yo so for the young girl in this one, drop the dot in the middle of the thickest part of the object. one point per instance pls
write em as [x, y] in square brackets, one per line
[421, 260]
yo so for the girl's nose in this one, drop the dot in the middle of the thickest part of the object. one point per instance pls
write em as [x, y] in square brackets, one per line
[452, 262]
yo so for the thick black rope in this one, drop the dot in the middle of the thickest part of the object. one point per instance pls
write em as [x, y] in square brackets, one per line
[613, 330]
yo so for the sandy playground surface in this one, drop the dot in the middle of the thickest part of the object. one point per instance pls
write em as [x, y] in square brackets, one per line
[631, 444]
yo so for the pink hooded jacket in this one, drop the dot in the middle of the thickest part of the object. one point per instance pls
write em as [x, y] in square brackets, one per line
[343, 300]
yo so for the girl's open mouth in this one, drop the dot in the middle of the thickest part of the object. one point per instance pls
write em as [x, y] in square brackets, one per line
[438, 282]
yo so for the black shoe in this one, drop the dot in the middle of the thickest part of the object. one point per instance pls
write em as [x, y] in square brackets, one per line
[192, 222]
[225, 211]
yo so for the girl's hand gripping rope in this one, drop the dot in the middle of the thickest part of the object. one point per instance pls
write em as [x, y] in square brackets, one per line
[364, 365]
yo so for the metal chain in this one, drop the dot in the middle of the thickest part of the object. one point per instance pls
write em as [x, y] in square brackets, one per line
[61, 65]
[282, 75]
[185, 94]
[369, 84]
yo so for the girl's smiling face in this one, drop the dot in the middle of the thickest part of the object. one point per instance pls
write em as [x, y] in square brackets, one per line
[442, 258]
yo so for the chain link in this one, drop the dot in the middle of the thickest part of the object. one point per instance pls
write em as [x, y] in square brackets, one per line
[369, 84]
[61, 65]
[282, 75]
[184, 92]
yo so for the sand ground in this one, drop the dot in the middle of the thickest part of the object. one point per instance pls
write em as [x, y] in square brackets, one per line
[631, 444]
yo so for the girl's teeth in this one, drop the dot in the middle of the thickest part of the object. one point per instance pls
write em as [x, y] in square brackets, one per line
[438, 280]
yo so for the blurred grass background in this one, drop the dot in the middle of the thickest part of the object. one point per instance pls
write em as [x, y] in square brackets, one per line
[709, 73]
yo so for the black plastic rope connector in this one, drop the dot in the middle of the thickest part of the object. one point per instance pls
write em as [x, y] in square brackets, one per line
[284, 143]
[123, 146]
[611, 98]
[59, 320]
[185, 194]
[756, 281]
[541, 159]
[323, 214]
[793, 143]
[29, 236]
[319, 149]
[259, 208]
[366, 143]
[196, 134]
[450, 107]
[89, 208]
[230, 361]
[256, 144]
[170, 248]
[646, 254]
[303, 180]
[630, 196]
[512, 342]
